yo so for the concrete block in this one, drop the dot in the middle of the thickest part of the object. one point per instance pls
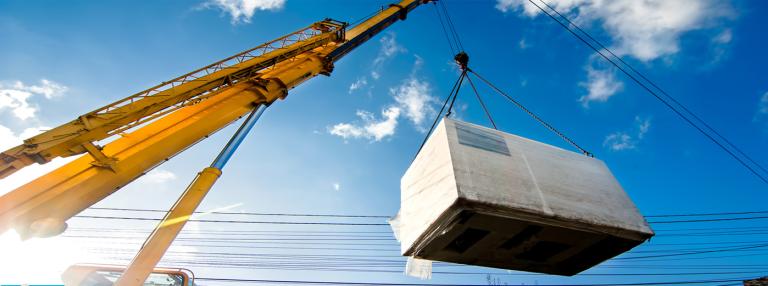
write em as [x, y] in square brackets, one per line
[478, 196]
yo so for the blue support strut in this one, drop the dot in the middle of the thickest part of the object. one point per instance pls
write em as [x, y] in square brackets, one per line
[240, 134]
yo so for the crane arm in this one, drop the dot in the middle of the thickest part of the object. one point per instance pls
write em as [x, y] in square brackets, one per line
[78, 136]
[159, 123]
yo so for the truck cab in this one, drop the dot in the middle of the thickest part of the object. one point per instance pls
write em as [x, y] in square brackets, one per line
[106, 275]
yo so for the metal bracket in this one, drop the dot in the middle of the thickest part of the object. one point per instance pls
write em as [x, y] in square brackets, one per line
[402, 13]
[101, 159]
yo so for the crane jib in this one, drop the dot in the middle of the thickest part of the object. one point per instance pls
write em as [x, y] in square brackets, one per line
[368, 33]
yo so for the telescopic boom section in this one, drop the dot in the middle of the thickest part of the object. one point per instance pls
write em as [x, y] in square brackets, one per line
[77, 136]
[154, 125]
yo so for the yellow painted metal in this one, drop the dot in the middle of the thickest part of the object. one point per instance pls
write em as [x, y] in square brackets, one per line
[41, 207]
[83, 182]
[165, 232]
[79, 184]
[74, 137]
[372, 23]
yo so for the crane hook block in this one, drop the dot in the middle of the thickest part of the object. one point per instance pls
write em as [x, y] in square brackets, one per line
[462, 59]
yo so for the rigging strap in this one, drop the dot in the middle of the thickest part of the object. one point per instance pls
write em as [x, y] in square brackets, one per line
[533, 115]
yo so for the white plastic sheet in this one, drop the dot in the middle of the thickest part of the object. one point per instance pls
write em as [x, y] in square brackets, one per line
[419, 268]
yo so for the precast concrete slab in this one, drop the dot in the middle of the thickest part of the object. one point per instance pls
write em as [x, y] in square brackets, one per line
[478, 196]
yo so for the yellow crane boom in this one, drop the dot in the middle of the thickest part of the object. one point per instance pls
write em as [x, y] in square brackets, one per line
[152, 126]
[77, 136]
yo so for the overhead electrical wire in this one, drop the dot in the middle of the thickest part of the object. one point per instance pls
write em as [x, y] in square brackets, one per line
[708, 220]
[678, 282]
[236, 221]
[694, 252]
[246, 213]
[203, 258]
[293, 263]
[709, 214]
[320, 241]
[352, 265]
[385, 216]
[686, 251]
[383, 224]
[369, 224]
[634, 78]
[654, 85]
[346, 239]
[372, 233]
[218, 264]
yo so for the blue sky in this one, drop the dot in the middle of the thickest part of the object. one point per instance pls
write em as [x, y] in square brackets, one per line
[339, 144]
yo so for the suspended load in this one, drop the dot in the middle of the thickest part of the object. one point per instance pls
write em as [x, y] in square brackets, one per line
[478, 196]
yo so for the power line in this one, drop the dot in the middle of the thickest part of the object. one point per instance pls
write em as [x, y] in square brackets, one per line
[236, 221]
[433, 284]
[709, 214]
[248, 213]
[385, 216]
[649, 90]
[300, 267]
[670, 97]
[708, 220]
[665, 259]
[371, 234]
[373, 224]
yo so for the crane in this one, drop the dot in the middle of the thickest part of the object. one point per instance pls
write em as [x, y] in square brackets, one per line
[148, 128]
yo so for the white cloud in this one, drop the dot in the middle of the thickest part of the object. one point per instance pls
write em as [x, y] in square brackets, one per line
[646, 29]
[17, 102]
[16, 96]
[336, 186]
[47, 88]
[724, 37]
[762, 109]
[414, 96]
[158, 176]
[242, 11]
[622, 140]
[371, 128]
[389, 48]
[358, 84]
[9, 139]
[601, 84]
[413, 100]
[643, 125]
[618, 141]
[523, 44]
